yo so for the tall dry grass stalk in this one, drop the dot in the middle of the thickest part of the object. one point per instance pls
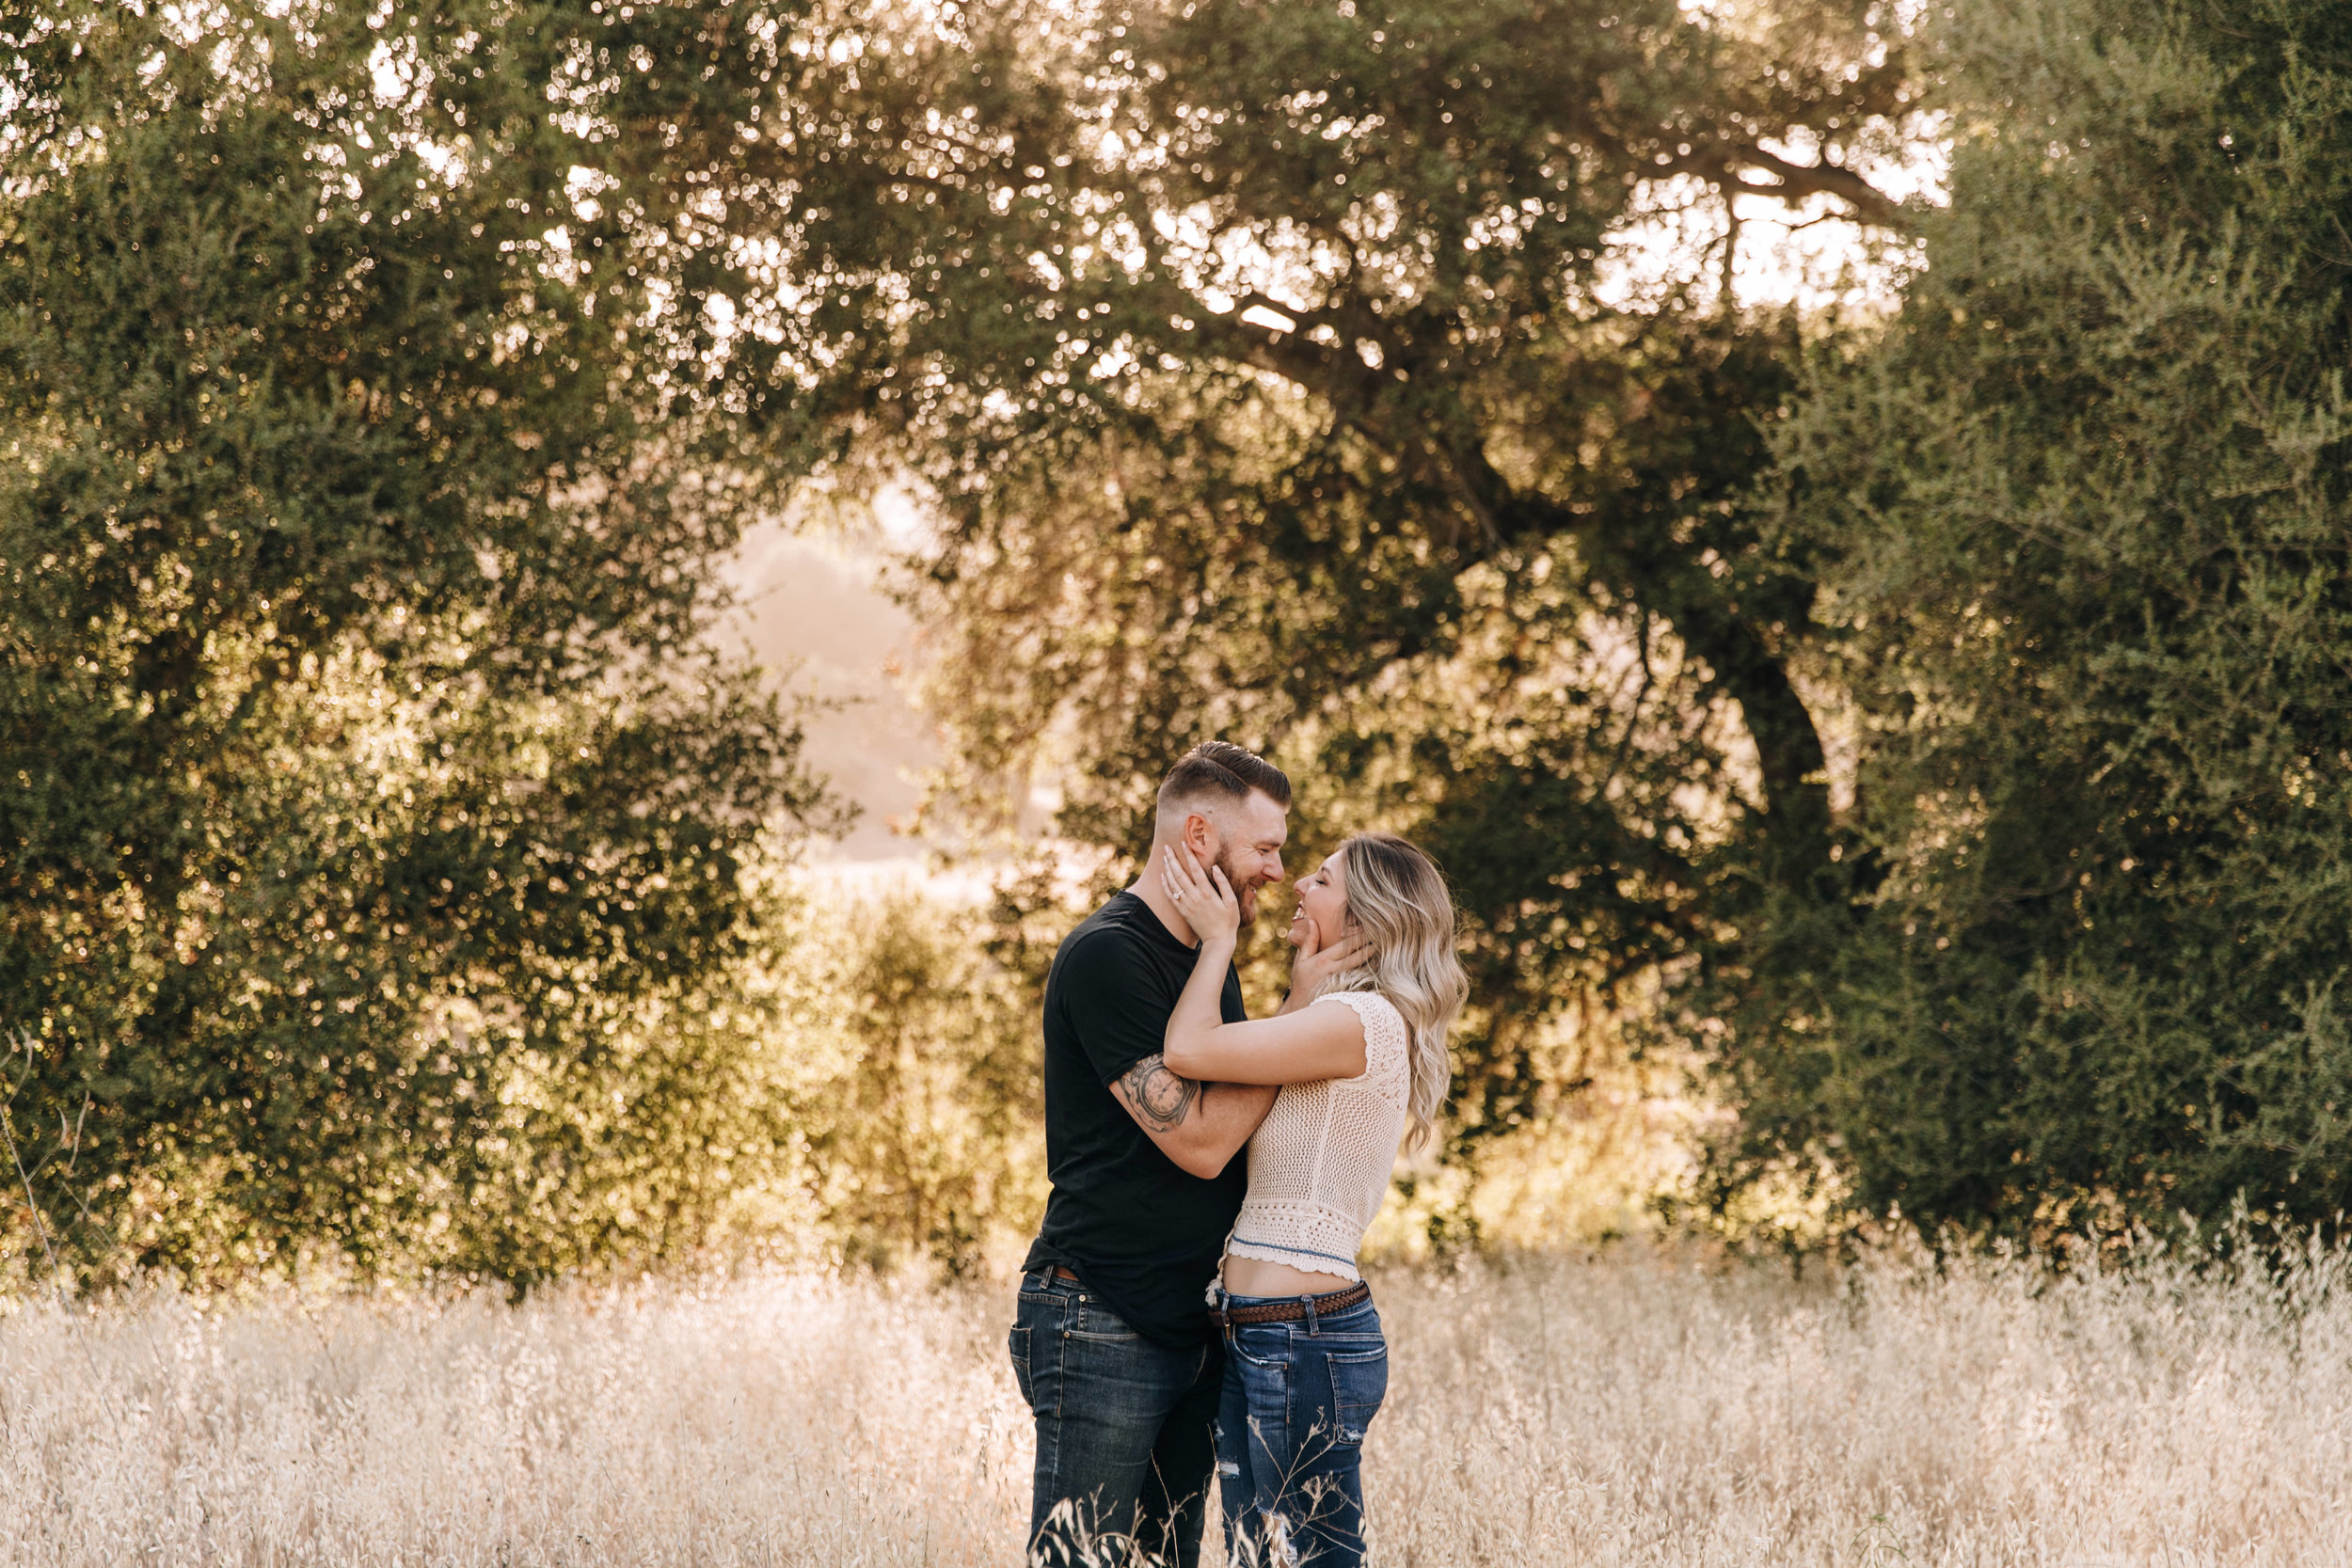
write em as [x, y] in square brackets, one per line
[1632, 1410]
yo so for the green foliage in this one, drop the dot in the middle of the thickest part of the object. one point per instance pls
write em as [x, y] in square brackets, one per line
[918, 1080]
[2091, 594]
[1264, 364]
[387, 860]
[363, 767]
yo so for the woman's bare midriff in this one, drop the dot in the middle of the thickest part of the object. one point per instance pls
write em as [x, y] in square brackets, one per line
[1255, 1276]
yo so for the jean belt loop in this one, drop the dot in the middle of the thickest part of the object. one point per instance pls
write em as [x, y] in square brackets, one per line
[1313, 1328]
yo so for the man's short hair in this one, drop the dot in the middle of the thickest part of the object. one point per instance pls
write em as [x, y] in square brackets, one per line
[1216, 769]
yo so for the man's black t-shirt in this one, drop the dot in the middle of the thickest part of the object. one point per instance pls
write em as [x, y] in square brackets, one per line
[1134, 1227]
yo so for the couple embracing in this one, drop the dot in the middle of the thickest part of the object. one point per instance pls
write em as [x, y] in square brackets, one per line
[1184, 1311]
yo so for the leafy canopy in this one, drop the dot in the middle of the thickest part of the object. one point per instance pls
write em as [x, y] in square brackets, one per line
[1277, 375]
[360, 746]
[2084, 516]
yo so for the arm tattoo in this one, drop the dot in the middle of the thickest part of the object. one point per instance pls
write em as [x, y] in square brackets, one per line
[1162, 1100]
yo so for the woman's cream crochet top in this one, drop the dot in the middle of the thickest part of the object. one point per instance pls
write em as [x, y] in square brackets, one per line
[1320, 1164]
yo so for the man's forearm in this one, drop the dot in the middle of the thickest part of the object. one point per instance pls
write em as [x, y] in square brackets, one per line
[1228, 1114]
[1198, 1130]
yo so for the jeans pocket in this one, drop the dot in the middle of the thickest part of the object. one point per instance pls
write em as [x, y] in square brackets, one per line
[1359, 1381]
[1259, 1345]
[1017, 1343]
[1093, 1321]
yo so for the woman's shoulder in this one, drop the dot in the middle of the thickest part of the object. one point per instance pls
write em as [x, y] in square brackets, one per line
[1370, 1005]
[1385, 1032]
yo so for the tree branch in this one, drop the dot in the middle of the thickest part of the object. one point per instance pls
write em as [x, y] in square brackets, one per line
[1870, 203]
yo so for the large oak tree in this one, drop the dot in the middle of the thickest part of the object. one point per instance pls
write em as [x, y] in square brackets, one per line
[365, 759]
[1285, 372]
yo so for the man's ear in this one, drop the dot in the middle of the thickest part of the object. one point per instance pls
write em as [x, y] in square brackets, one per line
[1201, 837]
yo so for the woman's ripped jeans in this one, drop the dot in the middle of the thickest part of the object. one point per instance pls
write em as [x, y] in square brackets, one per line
[1290, 1436]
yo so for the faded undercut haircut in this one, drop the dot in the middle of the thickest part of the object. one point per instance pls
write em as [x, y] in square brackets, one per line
[1219, 772]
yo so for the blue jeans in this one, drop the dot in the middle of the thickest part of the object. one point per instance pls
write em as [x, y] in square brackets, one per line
[1290, 1436]
[1124, 1431]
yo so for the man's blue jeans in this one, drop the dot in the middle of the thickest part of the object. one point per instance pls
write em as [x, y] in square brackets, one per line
[1290, 1436]
[1124, 1430]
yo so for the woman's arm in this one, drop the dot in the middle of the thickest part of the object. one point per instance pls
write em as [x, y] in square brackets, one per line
[1300, 1046]
[1304, 1047]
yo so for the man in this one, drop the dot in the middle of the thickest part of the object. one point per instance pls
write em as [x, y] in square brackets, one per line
[1111, 1343]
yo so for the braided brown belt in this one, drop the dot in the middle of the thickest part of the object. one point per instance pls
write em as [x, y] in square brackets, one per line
[1292, 1311]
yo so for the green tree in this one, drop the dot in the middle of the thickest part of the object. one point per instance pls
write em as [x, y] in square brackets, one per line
[1264, 365]
[363, 757]
[917, 1094]
[2089, 584]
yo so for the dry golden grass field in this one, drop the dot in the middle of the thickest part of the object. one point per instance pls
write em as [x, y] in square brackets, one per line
[1635, 1409]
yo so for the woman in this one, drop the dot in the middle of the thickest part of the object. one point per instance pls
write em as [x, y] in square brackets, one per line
[1306, 1366]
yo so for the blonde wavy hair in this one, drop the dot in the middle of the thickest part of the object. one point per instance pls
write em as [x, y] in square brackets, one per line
[1398, 900]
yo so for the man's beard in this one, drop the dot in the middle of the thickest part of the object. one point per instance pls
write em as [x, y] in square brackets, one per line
[1245, 895]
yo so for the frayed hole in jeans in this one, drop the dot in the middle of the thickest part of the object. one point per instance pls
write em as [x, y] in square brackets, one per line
[1228, 1467]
